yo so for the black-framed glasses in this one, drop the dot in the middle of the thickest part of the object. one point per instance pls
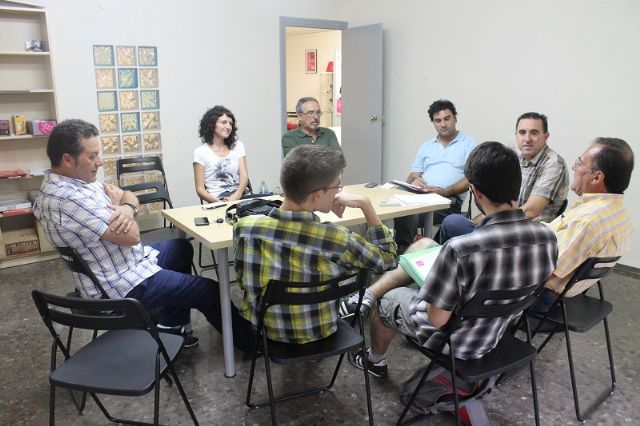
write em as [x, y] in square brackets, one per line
[326, 188]
[312, 113]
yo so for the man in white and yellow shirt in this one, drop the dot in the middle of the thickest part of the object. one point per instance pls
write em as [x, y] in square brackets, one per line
[598, 224]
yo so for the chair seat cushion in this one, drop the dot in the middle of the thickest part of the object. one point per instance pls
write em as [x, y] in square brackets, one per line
[510, 353]
[118, 362]
[345, 339]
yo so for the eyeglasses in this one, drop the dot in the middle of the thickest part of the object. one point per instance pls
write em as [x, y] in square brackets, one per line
[312, 113]
[326, 188]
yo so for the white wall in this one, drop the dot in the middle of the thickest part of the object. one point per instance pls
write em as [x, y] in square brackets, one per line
[575, 60]
[210, 52]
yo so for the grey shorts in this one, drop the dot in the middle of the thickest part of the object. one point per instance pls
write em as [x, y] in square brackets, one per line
[395, 311]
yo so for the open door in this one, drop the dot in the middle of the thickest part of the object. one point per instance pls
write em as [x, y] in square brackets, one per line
[362, 103]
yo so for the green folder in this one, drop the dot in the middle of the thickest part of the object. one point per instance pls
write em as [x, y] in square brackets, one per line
[417, 264]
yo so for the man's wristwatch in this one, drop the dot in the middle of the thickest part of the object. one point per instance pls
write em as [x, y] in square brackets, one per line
[133, 207]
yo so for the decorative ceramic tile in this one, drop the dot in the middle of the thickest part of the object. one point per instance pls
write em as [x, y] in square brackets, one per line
[152, 142]
[111, 181]
[130, 121]
[126, 55]
[107, 101]
[153, 176]
[127, 78]
[150, 120]
[110, 145]
[154, 207]
[105, 78]
[109, 167]
[132, 179]
[131, 144]
[103, 55]
[108, 123]
[148, 77]
[128, 99]
[150, 99]
[147, 56]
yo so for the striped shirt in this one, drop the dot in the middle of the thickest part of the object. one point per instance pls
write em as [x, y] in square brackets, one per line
[296, 246]
[545, 175]
[505, 251]
[597, 225]
[74, 214]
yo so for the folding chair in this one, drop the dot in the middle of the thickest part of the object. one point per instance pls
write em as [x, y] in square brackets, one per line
[344, 340]
[127, 360]
[509, 354]
[580, 314]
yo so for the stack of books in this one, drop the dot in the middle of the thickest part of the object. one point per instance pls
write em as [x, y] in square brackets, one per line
[15, 206]
[417, 264]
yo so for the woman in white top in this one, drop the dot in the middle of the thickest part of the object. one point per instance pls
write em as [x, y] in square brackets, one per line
[220, 164]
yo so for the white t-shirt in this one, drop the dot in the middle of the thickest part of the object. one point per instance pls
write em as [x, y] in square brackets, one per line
[221, 174]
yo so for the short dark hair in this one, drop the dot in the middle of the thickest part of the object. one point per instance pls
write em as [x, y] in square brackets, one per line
[66, 138]
[441, 105]
[208, 125]
[534, 116]
[304, 100]
[308, 168]
[615, 161]
[494, 170]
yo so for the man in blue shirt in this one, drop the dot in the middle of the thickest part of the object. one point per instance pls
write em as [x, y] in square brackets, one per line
[439, 168]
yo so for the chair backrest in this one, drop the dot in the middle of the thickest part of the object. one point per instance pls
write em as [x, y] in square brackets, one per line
[77, 264]
[150, 192]
[592, 269]
[494, 304]
[563, 207]
[140, 165]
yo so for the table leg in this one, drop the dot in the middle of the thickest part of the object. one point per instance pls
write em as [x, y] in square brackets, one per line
[428, 225]
[225, 306]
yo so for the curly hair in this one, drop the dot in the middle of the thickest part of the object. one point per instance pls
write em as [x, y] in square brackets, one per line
[208, 126]
[441, 105]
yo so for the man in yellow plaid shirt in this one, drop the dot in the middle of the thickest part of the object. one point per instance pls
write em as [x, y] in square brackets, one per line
[292, 244]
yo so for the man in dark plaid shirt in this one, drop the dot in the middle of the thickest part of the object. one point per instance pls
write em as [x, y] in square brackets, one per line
[506, 251]
[292, 244]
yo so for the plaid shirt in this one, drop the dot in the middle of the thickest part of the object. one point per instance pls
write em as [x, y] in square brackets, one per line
[546, 176]
[74, 214]
[505, 251]
[296, 246]
[597, 225]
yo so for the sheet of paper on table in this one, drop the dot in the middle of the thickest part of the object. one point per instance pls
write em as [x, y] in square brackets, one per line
[420, 199]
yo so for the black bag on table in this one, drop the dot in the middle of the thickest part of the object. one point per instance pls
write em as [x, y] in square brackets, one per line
[250, 207]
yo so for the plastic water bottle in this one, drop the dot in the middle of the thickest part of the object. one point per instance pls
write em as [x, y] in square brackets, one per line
[263, 188]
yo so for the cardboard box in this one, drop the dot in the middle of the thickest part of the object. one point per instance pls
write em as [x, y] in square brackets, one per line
[5, 128]
[19, 124]
[45, 245]
[40, 127]
[19, 242]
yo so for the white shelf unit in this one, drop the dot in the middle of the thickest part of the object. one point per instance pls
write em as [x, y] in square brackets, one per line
[26, 88]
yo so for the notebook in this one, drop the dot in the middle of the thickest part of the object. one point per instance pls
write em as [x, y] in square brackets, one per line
[417, 264]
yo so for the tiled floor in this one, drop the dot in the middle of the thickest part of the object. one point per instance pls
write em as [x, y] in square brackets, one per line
[24, 355]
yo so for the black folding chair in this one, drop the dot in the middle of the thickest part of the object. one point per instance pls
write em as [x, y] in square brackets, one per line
[127, 360]
[510, 354]
[344, 340]
[580, 314]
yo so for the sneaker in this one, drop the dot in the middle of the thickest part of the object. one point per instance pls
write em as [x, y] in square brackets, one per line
[189, 339]
[348, 305]
[378, 369]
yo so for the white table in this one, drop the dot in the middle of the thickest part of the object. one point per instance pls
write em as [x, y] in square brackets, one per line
[219, 237]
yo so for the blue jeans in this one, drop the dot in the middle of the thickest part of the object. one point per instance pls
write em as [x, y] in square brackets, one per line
[453, 226]
[177, 291]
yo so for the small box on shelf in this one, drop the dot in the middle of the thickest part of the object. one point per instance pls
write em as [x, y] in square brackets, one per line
[19, 124]
[17, 242]
[40, 127]
[5, 128]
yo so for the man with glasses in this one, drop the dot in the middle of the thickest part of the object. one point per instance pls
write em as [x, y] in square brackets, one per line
[545, 179]
[438, 167]
[309, 130]
[597, 224]
[292, 244]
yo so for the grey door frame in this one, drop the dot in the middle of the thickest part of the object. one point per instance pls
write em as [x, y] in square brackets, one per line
[287, 21]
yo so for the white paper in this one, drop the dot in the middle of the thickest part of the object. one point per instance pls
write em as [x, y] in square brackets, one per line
[421, 199]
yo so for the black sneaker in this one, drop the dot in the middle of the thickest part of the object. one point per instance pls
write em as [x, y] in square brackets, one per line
[190, 340]
[349, 304]
[378, 369]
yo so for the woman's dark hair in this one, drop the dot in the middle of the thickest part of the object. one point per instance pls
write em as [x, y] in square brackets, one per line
[208, 126]
[615, 161]
[494, 170]
[66, 138]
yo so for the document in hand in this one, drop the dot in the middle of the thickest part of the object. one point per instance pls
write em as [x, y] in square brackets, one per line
[408, 187]
[418, 263]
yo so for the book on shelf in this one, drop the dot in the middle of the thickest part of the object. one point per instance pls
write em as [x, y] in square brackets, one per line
[14, 204]
[417, 264]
